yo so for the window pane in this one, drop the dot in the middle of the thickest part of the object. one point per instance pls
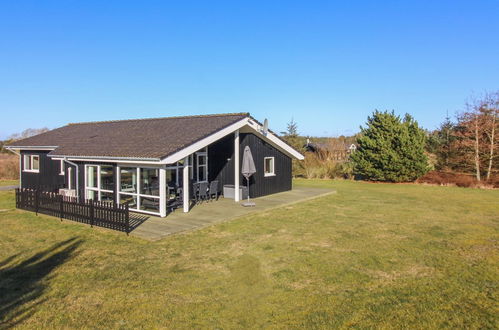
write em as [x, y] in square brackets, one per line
[201, 173]
[107, 197]
[149, 181]
[171, 177]
[27, 162]
[128, 179]
[107, 177]
[269, 166]
[92, 176]
[201, 160]
[91, 194]
[36, 163]
[149, 204]
[130, 199]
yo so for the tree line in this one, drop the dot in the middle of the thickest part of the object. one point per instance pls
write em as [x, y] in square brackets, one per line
[391, 148]
[469, 144]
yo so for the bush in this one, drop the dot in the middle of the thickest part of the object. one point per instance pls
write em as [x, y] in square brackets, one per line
[314, 166]
[456, 179]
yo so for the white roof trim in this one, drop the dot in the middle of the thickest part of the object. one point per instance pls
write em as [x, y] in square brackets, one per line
[276, 141]
[269, 137]
[150, 161]
[31, 147]
[181, 154]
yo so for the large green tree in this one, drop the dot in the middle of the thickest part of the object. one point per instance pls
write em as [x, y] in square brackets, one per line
[390, 149]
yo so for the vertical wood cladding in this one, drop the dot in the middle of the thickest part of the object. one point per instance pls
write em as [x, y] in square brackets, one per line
[221, 165]
[48, 176]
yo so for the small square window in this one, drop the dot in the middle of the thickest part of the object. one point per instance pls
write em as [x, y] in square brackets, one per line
[31, 163]
[268, 166]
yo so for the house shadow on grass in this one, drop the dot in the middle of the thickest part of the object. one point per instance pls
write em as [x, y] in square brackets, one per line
[23, 283]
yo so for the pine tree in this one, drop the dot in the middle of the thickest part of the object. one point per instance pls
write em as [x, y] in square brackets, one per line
[292, 129]
[390, 149]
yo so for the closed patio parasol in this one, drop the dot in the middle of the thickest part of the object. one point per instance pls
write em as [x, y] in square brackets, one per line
[248, 169]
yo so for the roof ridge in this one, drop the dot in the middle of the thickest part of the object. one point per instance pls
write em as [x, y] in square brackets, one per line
[156, 118]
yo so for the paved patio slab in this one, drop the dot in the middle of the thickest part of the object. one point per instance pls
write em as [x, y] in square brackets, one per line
[206, 214]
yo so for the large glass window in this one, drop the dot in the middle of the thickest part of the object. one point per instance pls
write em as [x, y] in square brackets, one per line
[149, 204]
[149, 181]
[92, 176]
[130, 199]
[128, 179]
[107, 177]
[99, 182]
[139, 187]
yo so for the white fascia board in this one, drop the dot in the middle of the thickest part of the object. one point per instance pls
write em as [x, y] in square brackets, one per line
[108, 160]
[181, 154]
[30, 148]
[269, 137]
[274, 140]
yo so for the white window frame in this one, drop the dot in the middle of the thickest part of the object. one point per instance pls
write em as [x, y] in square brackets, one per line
[98, 188]
[203, 153]
[61, 170]
[137, 193]
[191, 168]
[269, 173]
[30, 168]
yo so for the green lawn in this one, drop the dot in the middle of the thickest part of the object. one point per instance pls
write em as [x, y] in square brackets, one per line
[8, 182]
[393, 256]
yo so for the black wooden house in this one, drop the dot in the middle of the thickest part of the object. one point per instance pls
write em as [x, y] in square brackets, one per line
[139, 161]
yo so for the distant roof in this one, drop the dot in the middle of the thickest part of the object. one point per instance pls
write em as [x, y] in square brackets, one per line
[152, 138]
[314, 146]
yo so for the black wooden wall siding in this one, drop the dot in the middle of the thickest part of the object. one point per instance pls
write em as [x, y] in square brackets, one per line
[48, 175]
[221, 165]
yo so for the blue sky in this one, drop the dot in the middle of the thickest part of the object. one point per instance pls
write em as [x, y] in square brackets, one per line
[326, 64]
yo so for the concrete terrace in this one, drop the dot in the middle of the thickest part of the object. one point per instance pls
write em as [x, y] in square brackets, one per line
[208, 213]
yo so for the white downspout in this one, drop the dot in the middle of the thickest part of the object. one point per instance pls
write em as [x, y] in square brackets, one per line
[76, 176]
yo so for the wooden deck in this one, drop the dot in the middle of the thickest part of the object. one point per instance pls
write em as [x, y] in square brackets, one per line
[155, 228]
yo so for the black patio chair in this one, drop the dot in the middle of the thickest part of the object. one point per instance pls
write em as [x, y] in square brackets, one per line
[176, 202]
[213, 191]
[195, 192]
[203, 191]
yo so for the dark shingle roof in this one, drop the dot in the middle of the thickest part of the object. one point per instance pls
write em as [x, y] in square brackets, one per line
[140, 138]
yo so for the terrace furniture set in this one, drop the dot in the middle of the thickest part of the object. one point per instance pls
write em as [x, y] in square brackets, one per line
[201, 192]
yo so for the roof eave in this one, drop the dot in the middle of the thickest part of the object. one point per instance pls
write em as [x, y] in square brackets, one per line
[109, 158]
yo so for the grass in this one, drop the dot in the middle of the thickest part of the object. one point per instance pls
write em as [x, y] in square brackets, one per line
[372, 255]
[8, 182]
